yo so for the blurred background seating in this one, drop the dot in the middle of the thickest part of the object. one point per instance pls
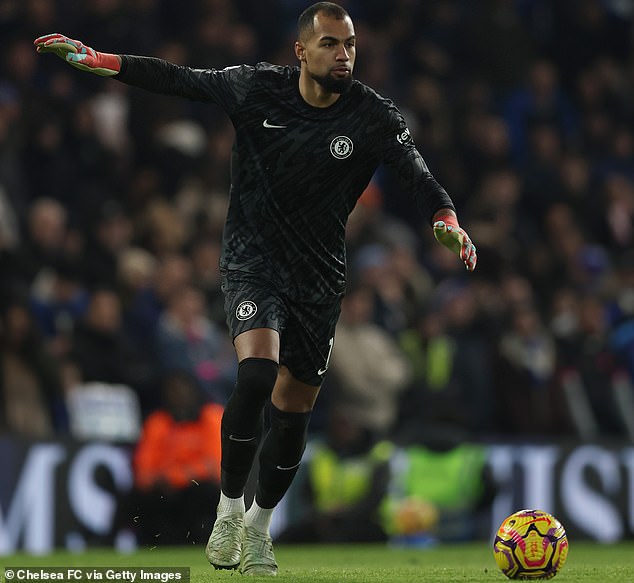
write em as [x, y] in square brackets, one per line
[113, 202]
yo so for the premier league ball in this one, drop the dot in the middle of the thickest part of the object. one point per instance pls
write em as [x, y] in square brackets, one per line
[530, 544]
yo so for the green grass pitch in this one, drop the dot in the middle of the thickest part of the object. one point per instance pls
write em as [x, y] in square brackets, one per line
[465, 563]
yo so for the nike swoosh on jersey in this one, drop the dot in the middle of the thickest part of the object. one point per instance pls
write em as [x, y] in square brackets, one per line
[289, 468]
[245, 439]
[271, 126]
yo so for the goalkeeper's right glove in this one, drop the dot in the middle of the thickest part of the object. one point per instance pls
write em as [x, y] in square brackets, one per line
[448, 232]
[78, 55]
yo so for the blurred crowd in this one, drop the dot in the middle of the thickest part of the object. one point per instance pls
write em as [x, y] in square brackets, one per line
[112, 202]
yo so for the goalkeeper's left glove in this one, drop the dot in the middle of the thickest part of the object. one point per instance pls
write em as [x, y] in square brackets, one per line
[448, 232]
[78, 55]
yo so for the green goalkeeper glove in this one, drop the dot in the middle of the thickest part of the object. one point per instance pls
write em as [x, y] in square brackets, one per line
[78, 55]
[449, 233]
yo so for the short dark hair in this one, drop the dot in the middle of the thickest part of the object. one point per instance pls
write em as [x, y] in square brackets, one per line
[306, 20]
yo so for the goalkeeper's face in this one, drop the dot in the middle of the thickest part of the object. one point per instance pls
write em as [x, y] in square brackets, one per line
[329, 53]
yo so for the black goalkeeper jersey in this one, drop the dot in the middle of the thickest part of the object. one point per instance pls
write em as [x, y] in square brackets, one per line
[297, 170]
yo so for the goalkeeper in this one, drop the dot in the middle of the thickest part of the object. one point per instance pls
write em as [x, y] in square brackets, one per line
[307, 141]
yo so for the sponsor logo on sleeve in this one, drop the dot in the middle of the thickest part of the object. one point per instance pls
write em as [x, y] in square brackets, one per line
[404, 137]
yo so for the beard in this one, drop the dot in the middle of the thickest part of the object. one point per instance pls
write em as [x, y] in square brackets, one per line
[333, 85]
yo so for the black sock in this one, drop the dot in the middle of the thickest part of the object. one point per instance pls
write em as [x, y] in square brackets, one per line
[242, 422]
[281, 455]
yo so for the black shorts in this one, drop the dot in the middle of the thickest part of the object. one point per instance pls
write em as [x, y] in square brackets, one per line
[306, 330]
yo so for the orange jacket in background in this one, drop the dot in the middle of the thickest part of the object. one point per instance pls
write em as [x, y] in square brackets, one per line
[176, 452]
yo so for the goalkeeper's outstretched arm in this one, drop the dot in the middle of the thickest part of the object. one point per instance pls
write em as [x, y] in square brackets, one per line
[227, 87]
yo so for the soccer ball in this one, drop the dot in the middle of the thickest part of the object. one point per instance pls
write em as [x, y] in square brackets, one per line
[530, 544]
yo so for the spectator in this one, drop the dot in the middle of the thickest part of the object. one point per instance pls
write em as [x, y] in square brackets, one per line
[524, 377]
[499, 221]
[43, 245]
[205, 254]
[590, 356]
[453, 375]
[389, 305]
[621, 312]
[367, 368]
[439, 488]
[58, 301]
[143, 310]
[136, 270]
[341, 485]
[618, 213]
[494, 42]
[177, 466]
[110, 234]
[541, 102]
[101, 350]
[31, 396]
[187, 340]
